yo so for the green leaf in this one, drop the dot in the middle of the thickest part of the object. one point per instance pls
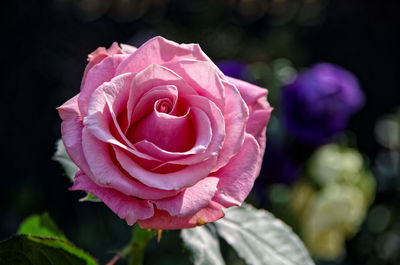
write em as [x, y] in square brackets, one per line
[90, 198]
[70, 169]
[41, 225]
[32, 250]
[202, 242]
[62, 157]
[260, 238]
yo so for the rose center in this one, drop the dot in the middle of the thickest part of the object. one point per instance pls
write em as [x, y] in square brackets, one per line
[163, 105]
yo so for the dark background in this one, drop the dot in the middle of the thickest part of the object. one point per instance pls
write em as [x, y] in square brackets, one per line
[44, 50]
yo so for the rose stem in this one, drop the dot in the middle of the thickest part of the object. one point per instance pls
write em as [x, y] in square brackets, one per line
[140, 238]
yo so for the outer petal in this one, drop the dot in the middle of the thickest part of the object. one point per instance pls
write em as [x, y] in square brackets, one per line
[71, 131]
[259, 109]
[102, 72]
[238, 176]
[249, 92]
[125, 207]
[177, 180]
[159, 51]
[100, 54]
[69, 109]
[191, 200]
[162, 220]
[107, 174]
[235, 115]
[260, 113]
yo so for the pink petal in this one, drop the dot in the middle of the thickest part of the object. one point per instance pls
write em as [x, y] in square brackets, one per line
[106, 172]
[217, 126]
[102, 72]
[203, 77]
[215, 117]
[191, 200]
[100, 53]
[203, 134]
[249, 92]
[126, 207]
[69, 109]
[177, 180]
[258, 120]
[104, 101]
[238, 176]
[159, 51]
[236, 115]
[71, 131]
[171, 133]
[154, 76]
[147, 102]
[162, 220]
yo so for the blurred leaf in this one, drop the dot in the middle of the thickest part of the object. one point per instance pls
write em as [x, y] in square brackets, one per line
[62, 157]
[260, 238]
[28, 249]
[203, 245]
[41, 225]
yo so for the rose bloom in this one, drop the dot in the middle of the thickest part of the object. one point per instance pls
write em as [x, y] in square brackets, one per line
[162, 137]
[320, 102]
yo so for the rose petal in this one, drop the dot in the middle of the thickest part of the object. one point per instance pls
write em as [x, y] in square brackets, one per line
[162, 220]
[235, 115]
[215, 116]
[217, 129]
[185, 177]
[107, 174]
[159, 51]
[102, 72]
[69, 109]
[154, 76]
[71, 131]
[249, 92]
[237, 177]
[163, 130]
[203, 77]
[259, 117]
[100, 113]
[100, 54]
[191, 200]
[146, 103]
[203, 134]
[126, 207]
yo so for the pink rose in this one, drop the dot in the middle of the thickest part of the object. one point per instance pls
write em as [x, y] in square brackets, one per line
[162, 137]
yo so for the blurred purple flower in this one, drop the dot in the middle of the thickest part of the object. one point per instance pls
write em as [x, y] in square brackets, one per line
[320, 102]
[232, 68]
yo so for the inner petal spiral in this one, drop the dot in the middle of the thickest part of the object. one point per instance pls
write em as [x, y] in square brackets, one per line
[163, 105]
